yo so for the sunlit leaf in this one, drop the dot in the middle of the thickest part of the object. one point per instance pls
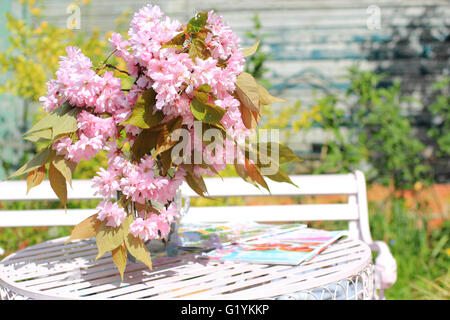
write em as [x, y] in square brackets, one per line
[254, 174]
[250, 51]
[137, 117]
[247, 91]
[280, 176]
[42, 158]
[206, 112]
[64, 167]
[61, 121]
[138, 250]
[266, 98]
[142, 115]
[58, 183]
[119, 257]
[242, 172]
[86, 229]
[247, 94]
[198, 22]
[205, 88]
[108, 239]
[49, 120]
[35, 178]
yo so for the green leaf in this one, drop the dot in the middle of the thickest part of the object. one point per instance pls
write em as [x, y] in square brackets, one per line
[35, 178]
[61, 121]
[58, 183]
[198, 22]
[108, 238]
[206, 112]
[86, 229]
[285, 154]
[252, 50]
[43, 157]
[142, 115]
[48, 121]
[40, 136]
[205, 88]
[137, 117]
[281, 176]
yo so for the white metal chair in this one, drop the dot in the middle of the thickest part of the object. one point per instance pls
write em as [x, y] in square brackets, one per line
[352, 185]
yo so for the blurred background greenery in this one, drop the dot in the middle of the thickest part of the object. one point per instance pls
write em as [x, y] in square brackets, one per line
[404, 156]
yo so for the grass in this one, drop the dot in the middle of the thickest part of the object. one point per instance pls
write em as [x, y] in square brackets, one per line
[422, 252]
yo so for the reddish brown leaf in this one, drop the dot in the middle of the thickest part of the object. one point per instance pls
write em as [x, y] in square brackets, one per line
[35, 178]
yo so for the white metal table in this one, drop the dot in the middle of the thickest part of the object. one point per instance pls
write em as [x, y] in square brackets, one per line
[52, 270]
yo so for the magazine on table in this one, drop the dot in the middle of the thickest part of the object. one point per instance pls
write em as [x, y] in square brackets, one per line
[209, 236]
[290, 247]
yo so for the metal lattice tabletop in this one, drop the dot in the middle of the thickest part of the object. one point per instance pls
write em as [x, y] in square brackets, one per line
[52, 270]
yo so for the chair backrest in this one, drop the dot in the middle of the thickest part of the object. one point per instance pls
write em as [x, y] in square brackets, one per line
[351, 185]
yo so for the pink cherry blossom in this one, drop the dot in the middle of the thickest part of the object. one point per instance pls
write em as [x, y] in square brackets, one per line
[110, 211]
[104, 105]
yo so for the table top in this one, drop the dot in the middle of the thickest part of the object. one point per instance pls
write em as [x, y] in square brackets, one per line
[53, 270]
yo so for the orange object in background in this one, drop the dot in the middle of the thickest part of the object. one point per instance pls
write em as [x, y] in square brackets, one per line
[434, 200]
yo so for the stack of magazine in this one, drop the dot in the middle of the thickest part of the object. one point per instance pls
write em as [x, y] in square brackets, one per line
[257, 243]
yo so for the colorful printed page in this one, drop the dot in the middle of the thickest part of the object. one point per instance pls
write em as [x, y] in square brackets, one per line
[213, 236]
[288, 247]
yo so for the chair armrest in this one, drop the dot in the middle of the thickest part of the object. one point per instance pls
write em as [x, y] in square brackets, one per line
[385, 266]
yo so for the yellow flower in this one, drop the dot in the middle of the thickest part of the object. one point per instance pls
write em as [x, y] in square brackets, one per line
[86, 1]
[31, 2]
[418, 186]
[318, 117]
[447, 251]
[36, 11]
[38, 31]
[44, 24]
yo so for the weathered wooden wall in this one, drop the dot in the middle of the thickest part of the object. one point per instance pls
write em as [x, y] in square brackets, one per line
[313, 42]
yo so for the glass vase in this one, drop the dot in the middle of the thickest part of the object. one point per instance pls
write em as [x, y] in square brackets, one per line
[171, 243]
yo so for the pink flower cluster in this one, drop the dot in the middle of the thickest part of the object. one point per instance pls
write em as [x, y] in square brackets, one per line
[174, 77]
[173, 74]
[148, 228]
[113, 214]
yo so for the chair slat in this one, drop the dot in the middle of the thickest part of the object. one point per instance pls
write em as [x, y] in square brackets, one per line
[337, 184]
[39, 218]
[313, 212]
[16, 191]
